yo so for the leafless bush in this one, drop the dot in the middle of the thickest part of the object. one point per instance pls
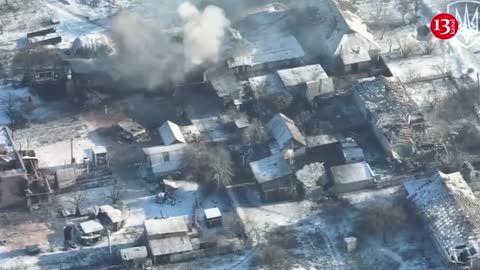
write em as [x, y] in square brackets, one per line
[272, 257]
[406, 47]
[212, 165]
[412, 75]
[12, 105]
[255, 133]
[429, 47]
[381, 218]
[114, 194]
[78, 200]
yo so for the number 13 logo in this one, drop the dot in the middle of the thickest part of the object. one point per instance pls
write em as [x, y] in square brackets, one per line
[444, 26]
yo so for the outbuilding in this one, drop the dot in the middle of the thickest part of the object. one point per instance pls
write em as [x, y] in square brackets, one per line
[213, 217]
[352, 177]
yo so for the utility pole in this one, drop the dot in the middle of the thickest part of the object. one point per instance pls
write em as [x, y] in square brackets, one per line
[71, 151]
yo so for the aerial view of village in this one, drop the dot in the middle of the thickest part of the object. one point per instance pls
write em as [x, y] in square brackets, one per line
[239, 134]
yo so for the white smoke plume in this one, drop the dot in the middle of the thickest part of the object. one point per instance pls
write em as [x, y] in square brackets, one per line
[203, 33]
[147, 54]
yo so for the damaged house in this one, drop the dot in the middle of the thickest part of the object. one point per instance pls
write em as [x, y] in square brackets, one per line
[451, 213]
[262, 42]
[339, 37]
[393, 116]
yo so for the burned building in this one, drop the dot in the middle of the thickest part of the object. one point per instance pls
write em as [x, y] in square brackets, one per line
[338, 37]
[13, 173]
[393, 116]
[451, 213]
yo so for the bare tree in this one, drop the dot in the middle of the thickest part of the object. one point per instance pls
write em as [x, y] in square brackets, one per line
[12, 107]
[272, 257]
[430, 46]
[78, 200]
[405, 9]
[212, 165]
[114, 194]
[442, 67]
[412, 75]
[255, 133]
[381, 218]
[406, 47]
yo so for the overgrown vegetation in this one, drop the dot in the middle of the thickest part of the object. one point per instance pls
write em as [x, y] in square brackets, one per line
[211, 165]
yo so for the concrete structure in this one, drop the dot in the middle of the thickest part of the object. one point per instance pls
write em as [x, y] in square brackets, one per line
[162, 160]
[171, 133]
[166, 237]
[65, 177]
[451, 213]
[312, 179]
[274, 177]
[285, 132]
[351, 177]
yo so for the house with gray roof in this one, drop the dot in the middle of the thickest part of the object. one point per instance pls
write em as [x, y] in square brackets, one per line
[285, 133]
[274, 177]
[166, 237]
[451, 213]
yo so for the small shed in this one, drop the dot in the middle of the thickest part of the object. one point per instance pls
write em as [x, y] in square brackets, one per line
[112, 217]
[171, 133]
[165, 159]
[65, 177]
[135, 257]
[274, 178]
[213, 217]
[352, 177]
[90, 227]
[285, 132]
[99, 156]
[166, 237]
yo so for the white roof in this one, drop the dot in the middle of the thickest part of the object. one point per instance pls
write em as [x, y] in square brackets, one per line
[91, 226]
[171, 225]
[268, 49]
[212, 213]
[283, 129]
[171, 133]
[99, 149]
[351, 173]
[353, 49]
[115, 215]
[270, 168]
[296, 76]
[170, 245]
[158, 150]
